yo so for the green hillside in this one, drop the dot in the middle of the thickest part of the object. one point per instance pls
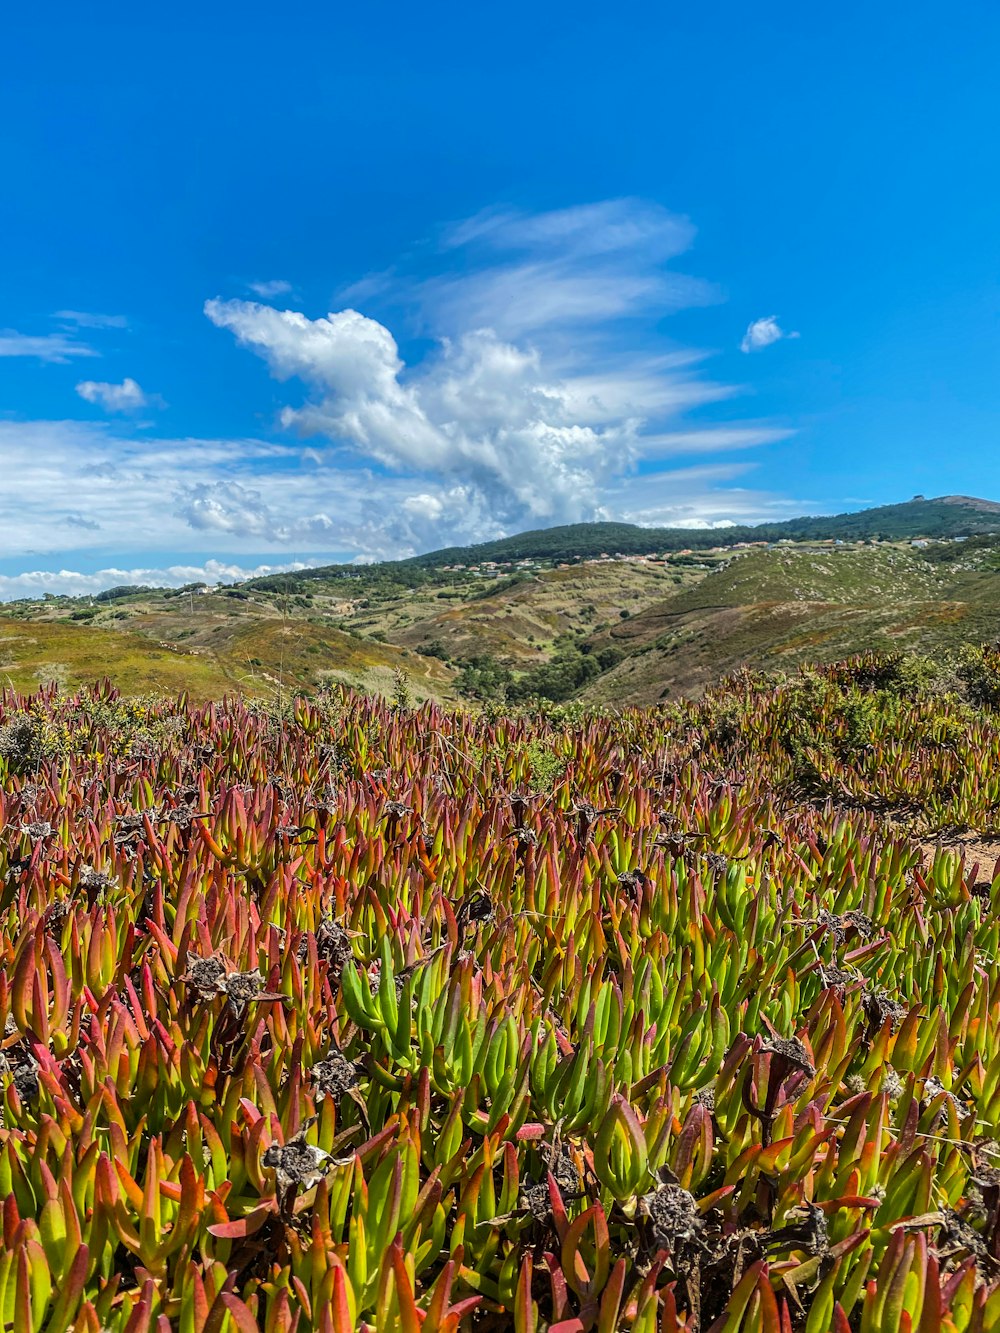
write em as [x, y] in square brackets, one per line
[946, 516]
[775, 609]
[154, 641]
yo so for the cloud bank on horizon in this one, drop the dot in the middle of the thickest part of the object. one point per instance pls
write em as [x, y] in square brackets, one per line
[548, 395]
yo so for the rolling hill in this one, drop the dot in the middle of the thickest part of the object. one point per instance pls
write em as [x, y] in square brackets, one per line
[553, 624]
[946, 516]
[943, 517]
[776, 609]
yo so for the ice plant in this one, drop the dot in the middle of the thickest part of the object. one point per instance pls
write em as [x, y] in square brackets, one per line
[368, 1016]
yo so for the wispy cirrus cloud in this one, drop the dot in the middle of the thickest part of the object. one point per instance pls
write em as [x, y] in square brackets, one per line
[267, 291]
[543, 274]
[85, 319]
[62, 346]
[531, 274]
[58, 348]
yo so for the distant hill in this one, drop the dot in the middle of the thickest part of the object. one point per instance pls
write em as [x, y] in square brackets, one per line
[945, 516]
[618, 631]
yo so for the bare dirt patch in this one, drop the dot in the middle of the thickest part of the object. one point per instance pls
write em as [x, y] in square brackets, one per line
[978, 850]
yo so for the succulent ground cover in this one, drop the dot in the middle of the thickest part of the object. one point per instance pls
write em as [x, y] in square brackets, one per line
[373, 1016]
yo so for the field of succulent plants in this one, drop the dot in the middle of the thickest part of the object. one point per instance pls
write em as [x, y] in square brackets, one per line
[372, 1017]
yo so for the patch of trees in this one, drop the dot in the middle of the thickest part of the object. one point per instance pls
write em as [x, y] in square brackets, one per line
[562, 677]
[121, 590]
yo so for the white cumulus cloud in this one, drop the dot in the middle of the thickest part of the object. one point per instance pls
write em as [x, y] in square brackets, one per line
[124, 397]
[482, 412]
[229, 507]
[762, 333]
[547, 387]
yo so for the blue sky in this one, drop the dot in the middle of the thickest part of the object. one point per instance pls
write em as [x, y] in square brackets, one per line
[286, 285]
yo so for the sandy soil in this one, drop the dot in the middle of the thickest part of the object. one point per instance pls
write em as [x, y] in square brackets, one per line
[984, 852]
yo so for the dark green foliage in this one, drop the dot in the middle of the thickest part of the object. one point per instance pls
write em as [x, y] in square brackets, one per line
[568, 672]
[483, 678]
[433, 648]
[951, 517]
[121, 590]
[979, 672]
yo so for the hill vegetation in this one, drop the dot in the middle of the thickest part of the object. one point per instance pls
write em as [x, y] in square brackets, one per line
[947, 516]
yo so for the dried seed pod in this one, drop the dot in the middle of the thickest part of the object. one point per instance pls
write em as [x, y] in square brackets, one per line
[524, 837]
[242, 987]
[38, 830]
[879, 1008]
[296, 1164]
[476, 909]
[333, 945]
[535, 1200]
[934, 1088]
[792, 1052]
[335, 1076]
[805, 1228]
[957, 1236]
[674, 1222]
[94, 881]
[706, 1097]
[24, 1075]
[632, 883]
[206, 977]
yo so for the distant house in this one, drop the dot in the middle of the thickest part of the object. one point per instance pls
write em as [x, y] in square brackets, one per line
[921, 542]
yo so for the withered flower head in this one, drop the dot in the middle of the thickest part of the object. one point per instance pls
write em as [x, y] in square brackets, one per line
[334, 1076]
[297, 1163]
